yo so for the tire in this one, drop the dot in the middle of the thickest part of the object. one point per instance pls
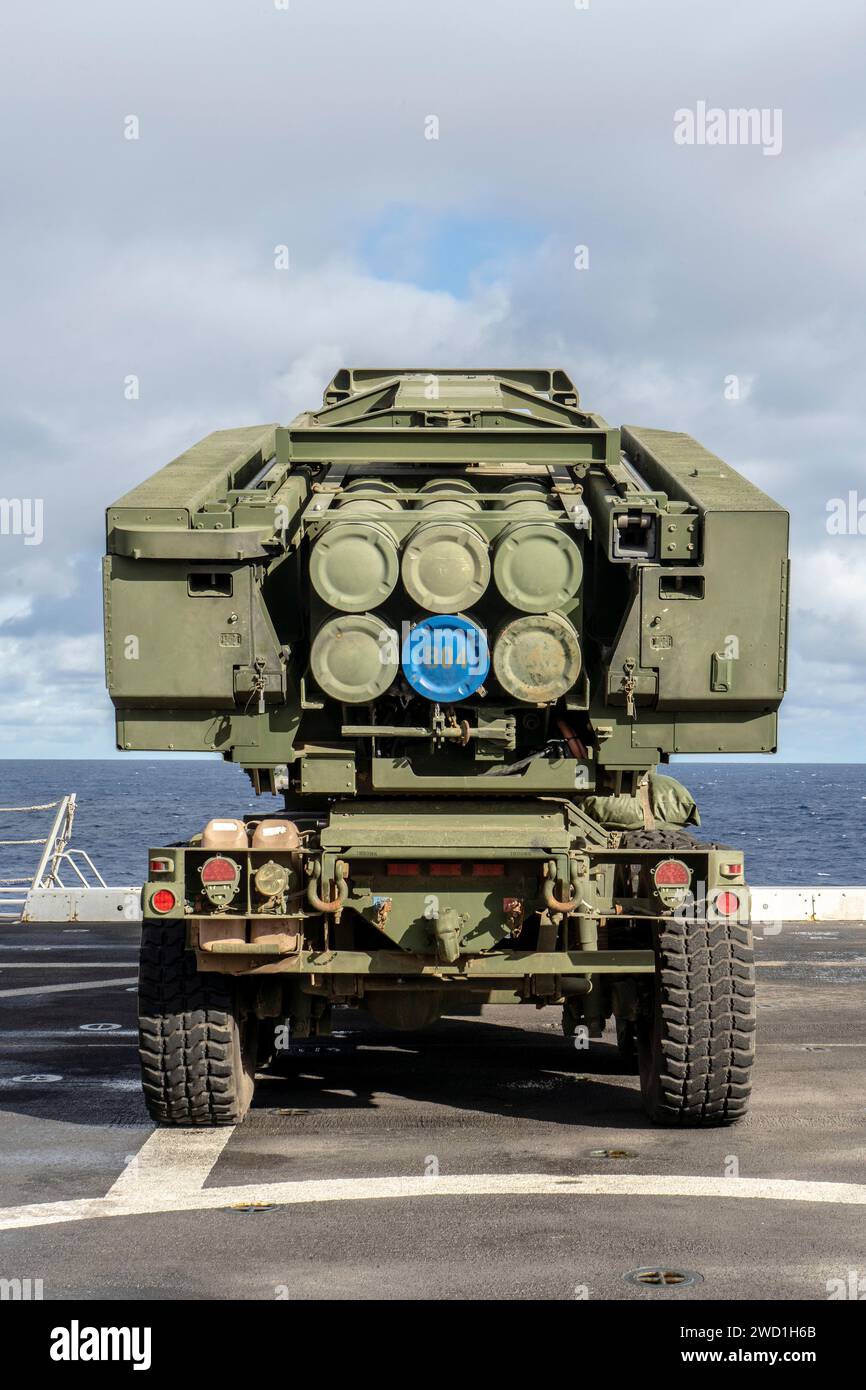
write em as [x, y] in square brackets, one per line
[673, 837]
[696, 1033]
[197, 1047]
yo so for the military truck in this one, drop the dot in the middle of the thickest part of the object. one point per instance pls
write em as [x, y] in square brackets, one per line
[458, 623]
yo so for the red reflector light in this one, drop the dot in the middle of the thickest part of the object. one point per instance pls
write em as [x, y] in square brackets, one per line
[159, 866]
[727, 904]
[220, 871]
[732, 870]
[163, 900]
[672, 873]
[484, 870]
[452, 869]
[405, 869]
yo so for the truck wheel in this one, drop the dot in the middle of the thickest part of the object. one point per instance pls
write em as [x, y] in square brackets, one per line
[696, 1041]
[197, 1047]
[696, 1034]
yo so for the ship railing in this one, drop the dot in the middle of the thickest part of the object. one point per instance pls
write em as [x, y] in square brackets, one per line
[66, 885]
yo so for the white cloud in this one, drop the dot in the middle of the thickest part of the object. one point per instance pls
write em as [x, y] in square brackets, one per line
[828, 603]
[14, 606]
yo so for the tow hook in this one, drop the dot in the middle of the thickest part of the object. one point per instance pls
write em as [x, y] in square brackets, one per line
[548, 888]
[341, 888]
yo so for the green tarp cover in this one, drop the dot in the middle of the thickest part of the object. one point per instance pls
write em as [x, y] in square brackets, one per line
[670, 802]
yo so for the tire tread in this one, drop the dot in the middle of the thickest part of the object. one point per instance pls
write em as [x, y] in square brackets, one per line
[187, 1035]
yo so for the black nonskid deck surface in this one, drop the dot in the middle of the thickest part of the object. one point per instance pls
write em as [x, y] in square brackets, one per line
[479, 1100]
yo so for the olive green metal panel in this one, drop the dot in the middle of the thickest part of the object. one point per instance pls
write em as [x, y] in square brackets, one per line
[553, 384]
[533, 827]
[166, 644]
[176, 730]
[722, 644]
[329, 776]
[531, 776]
[225, 459]
[731, 732]
[677, 464]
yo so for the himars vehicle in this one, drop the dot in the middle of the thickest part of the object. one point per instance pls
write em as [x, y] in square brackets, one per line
[458, 622]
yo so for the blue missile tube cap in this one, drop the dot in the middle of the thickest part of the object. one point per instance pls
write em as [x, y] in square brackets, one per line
[446, 657]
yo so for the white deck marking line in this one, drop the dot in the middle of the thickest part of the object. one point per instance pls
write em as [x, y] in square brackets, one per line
[64, 965]
[157, 1197]
[65, 989]
[174, 1160]
[812, 964]
[22, 1037]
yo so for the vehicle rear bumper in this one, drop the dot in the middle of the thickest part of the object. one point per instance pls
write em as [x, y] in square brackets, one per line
[406, 969]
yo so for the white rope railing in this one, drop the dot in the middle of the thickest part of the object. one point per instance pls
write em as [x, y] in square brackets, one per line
[53, 849]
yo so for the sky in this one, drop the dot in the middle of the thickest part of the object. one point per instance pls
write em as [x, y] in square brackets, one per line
[431, 170]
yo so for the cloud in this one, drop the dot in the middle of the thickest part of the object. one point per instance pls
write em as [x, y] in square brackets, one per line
[51, 690]
[828, 604]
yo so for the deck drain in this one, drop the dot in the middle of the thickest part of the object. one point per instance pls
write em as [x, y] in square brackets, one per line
[251, 1208]
[660, 1277]
[612, 1153]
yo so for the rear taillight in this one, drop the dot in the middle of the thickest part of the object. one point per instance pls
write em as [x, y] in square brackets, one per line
[672, 879]
[220, 879]
[163, 901]
[672, 873]
[219, 870]
[727, 904]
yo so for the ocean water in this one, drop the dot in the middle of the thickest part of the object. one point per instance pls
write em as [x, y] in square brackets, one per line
[798, 823]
